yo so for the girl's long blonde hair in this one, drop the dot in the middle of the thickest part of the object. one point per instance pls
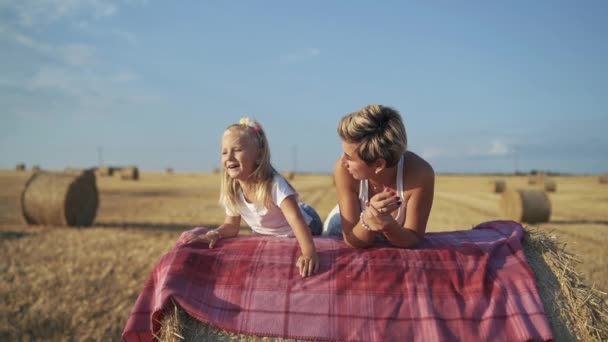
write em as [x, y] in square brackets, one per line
[261, 177]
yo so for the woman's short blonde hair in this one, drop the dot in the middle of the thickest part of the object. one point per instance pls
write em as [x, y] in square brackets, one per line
[378, 130]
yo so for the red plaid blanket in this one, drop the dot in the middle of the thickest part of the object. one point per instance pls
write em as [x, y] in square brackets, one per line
[463, 285]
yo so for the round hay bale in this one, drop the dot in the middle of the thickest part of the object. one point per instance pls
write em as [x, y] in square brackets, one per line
[20, 167]
[536, 179]
[129, 173]
[291, 175]
[498, 186]
[573, 309]
[550, 185]
[60, 199]
[169, 170]
[36, 168]
[529, 205]
[104, 171]
[603, 179]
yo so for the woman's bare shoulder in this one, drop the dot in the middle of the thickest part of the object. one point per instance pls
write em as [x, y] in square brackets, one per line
[417, 170]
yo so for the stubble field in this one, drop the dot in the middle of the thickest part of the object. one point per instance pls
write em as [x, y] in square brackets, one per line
[80, 284]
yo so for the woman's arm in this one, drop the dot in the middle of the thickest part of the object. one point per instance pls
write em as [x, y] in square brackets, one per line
[420, 182]
[350, 209]
[308, 263]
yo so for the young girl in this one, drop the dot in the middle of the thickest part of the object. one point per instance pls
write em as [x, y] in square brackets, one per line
[253, 190]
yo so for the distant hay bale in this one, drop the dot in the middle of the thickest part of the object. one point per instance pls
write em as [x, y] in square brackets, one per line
[104, 171]
[573, 309]
[603, 179]
[536, 179]
[169, 170]
[60, 198]
[129, 173]
[529, 205]
[36, 168]
[216, 170]
[498, 186]
[291, 175]
[20, 167]
[550, 185]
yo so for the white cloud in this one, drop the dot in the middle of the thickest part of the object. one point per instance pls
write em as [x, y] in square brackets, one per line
[498, 148]
[301, 55]
[86, 27]
[34, 12]
[70, 54]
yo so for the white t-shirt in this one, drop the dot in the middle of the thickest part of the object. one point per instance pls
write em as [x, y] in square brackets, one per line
[268, 221]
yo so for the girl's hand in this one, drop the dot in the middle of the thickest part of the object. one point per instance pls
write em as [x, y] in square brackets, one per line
[308, 265]
[210, 237]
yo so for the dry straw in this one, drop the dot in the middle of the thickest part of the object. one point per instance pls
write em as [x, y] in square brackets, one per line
[574, 310]
[525, 205]
[498, 186]
[129, 173]
[60, 198]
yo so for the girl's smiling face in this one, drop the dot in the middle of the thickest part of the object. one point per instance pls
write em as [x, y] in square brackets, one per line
[240, 154]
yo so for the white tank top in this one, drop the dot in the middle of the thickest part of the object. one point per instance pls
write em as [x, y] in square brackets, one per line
[364, 192]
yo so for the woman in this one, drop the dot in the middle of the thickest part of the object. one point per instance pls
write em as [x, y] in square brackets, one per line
[384, 191]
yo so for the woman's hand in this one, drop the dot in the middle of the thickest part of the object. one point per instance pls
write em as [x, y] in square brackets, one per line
[378, 212]
[308, 264]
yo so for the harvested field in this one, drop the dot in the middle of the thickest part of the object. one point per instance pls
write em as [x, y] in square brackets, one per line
[63, 282]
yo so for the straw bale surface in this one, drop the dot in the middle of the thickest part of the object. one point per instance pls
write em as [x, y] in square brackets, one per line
[526, 205]
[60, 199]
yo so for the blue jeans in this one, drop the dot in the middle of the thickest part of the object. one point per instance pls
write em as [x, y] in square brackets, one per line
[315, 225]
[333, 223]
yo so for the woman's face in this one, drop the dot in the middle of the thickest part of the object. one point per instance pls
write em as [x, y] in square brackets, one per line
[353, 163]
[239, 154]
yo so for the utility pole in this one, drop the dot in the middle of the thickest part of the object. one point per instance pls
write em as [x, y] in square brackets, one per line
[295, 158]
[99, 156]
[515, 157]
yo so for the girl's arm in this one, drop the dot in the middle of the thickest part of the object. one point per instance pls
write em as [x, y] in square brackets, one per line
[350, 209]
[308, 263]
[230, 228]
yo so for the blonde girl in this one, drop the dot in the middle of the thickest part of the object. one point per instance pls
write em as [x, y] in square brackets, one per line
[251, 189]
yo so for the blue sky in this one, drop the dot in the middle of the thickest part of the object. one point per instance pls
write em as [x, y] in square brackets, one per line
[483, 86]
